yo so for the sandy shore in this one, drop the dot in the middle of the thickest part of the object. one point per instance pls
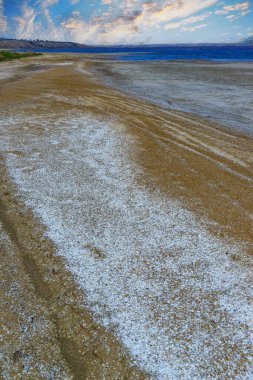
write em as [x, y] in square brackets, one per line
[220, 91]
[128, 230]
[46, 331]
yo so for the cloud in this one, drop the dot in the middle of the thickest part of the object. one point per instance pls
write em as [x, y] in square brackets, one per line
[116, 21]
[189, 20]
[241, 8]
[123, 21]
[26, 25]
[193, 28]
[76, 13]
[231, 17]
[126, 20]
[148, 5]
[178, 9]
[37, 22]
[3, 22]
[48, 3]
[237, 7]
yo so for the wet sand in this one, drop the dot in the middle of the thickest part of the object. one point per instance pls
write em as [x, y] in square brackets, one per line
[132, 166]
[220, 91]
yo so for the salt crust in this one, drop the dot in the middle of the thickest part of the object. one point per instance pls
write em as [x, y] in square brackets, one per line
[150, 271]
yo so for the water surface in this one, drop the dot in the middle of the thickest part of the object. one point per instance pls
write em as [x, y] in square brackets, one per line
[166, 52]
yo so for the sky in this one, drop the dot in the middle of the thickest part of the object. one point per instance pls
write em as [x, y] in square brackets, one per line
[127, 21]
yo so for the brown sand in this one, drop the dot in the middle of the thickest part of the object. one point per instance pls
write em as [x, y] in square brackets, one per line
[46, 330]
[206, 167]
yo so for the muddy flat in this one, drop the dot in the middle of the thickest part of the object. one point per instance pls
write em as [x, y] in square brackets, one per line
[219, 91]
[126, 233]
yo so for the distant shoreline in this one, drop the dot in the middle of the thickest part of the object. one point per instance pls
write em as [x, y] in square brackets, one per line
[204, 51]
[213, 53]
[24, 43]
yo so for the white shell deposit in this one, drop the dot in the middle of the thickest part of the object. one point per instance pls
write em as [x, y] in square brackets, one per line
[149, 270]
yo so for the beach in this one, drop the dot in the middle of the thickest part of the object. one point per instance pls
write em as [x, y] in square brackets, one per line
[126, 219]
[220, 91]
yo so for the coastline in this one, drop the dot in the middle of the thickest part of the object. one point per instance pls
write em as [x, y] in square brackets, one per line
[163, 144]
[207, 89]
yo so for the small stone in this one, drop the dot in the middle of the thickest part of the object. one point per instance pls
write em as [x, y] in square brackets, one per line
[17, 356]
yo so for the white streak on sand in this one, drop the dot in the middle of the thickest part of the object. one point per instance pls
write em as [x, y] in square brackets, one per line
[150, 271]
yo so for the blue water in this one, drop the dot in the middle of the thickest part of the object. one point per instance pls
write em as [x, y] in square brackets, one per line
[167, 52]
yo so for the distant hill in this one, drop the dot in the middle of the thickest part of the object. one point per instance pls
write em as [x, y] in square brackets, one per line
[7, 43]
[36, 44]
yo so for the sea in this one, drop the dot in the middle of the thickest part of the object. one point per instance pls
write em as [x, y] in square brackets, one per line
[213, 52]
